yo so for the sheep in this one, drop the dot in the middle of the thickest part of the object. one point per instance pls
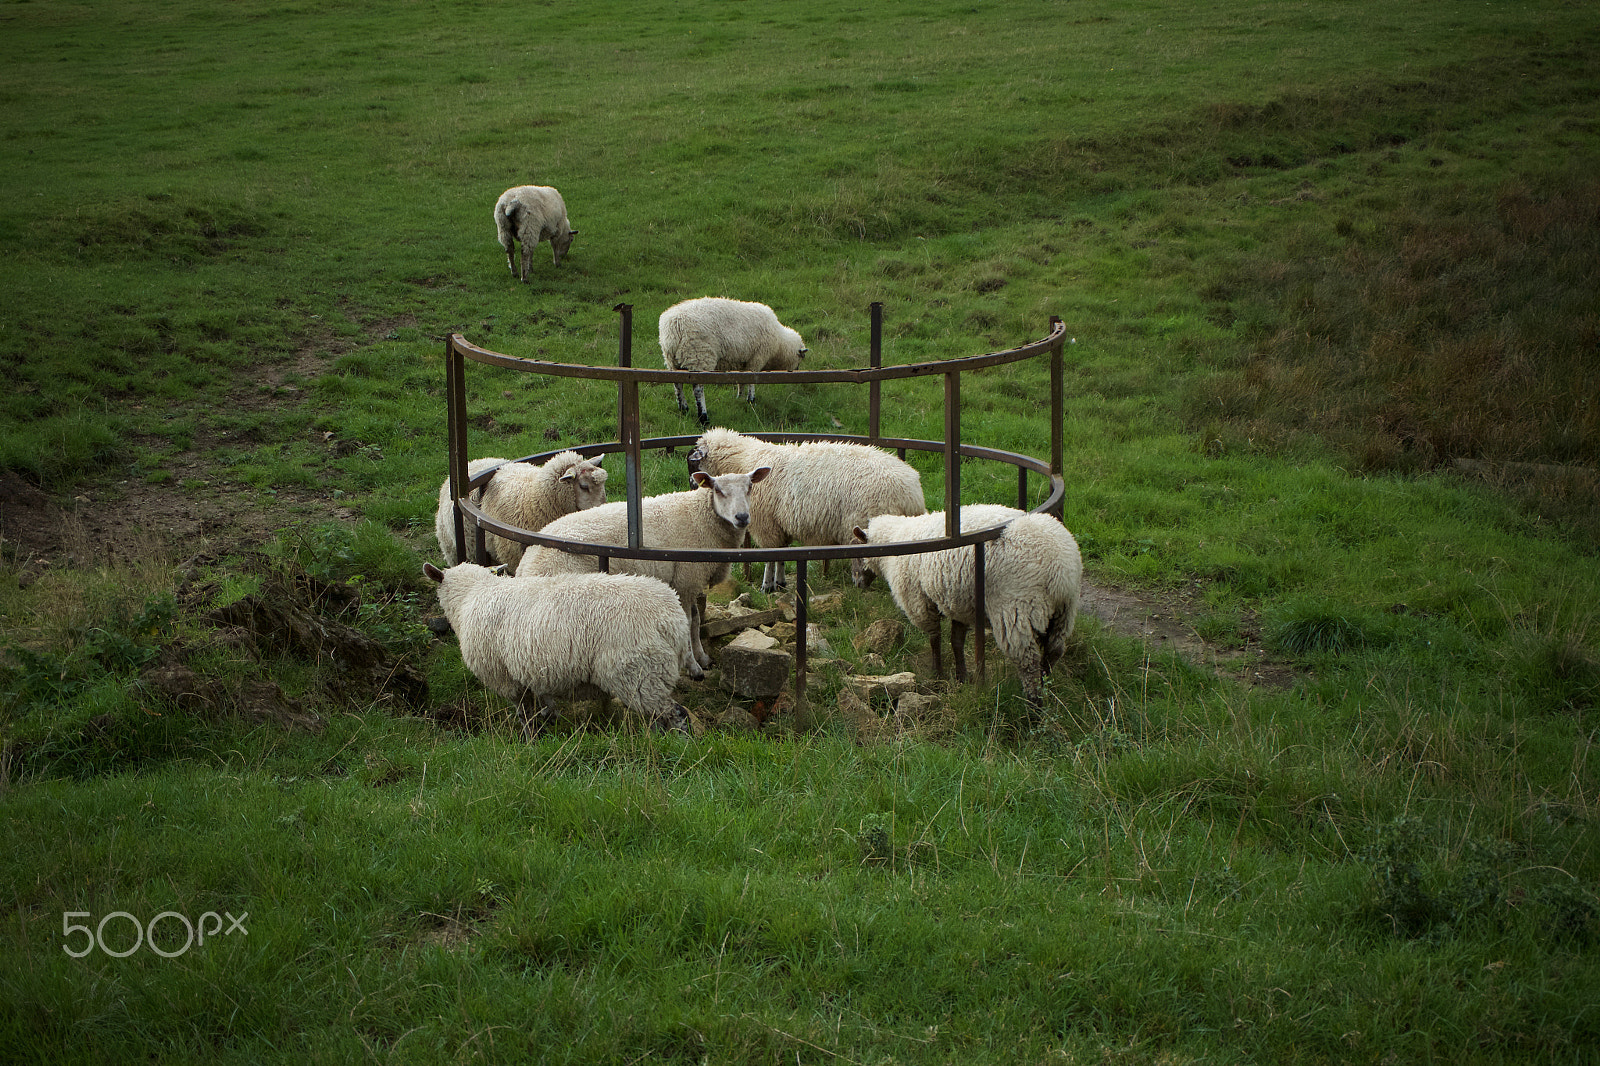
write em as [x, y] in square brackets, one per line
[530, 214]
[714, 333]
[588, 637]
[1032, 577]
[819, 492]
[715, 514]
[522, 495]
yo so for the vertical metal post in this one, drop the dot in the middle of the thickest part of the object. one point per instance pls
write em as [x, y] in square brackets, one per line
[800, 617]
[875, 360]
[455, 389]
[952, 453]
[1057, 412]
[480, 546]
[628, 405]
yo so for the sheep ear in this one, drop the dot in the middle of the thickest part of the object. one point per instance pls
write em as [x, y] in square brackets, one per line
[700, 478]
[759, 474]
[433, 573]
[860, 535]
[565, 478]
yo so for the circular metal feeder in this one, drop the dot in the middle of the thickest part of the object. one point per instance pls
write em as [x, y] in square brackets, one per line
[458, 351]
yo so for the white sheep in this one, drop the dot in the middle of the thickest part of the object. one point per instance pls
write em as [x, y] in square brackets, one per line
[522, 495]
[1032, 577]
[715, 514]
[714, 333]
[588, 637]
[530, 214]
[818, 493]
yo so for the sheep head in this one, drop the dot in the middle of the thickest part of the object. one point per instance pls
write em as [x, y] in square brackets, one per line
[730, 494]
[588, 482]
[560, 242]
[862, 571]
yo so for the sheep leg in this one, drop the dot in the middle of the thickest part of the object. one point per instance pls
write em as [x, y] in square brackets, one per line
[1055, 639]
[511, 257]
[1029, 665]
[677, 390]
[958, 647]
[700, 404]
[774, 577]
[935, 633]
[527, 259]
[534, 720]
[691, 610]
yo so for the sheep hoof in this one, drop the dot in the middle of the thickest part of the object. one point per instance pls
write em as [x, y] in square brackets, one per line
[676, 722]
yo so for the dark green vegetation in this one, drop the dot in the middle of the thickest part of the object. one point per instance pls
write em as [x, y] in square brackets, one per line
[1331, 271]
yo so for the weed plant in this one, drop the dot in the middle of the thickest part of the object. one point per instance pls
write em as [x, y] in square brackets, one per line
[1329, 275]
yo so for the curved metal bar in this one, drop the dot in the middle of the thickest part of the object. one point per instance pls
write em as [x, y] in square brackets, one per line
[863, 375]
[761, 555]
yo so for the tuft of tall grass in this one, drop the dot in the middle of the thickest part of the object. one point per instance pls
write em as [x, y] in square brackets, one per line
[1308, 629]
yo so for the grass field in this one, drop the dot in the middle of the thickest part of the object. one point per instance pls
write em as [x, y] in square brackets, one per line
[1332, 278]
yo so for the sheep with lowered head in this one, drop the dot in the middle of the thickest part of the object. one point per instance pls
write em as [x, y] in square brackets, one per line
[714, 333]
[522, 495]
[530, 214]
[587, 637]
[1032, 577]
[818, 491]
[715, 514]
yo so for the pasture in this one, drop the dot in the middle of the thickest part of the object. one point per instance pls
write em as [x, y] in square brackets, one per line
[1315, 783]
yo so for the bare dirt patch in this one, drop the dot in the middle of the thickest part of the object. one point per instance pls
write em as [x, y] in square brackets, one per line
[192, 511]
[1165, 621]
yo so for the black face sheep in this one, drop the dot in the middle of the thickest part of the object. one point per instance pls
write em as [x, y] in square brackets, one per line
[716, 514]
[523, 495]
[1032, 577]
[818, 493]
[531, 213]
[589, 636]
[714, 333]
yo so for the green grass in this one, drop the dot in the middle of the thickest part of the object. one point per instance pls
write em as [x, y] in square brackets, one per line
[1330, 275]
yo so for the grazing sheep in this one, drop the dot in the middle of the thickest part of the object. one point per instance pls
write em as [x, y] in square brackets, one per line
[522, 495]
[1032, 575]
[588, 637]
[818, 493]
[530, 214]
[717, 334]
[716, 514]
